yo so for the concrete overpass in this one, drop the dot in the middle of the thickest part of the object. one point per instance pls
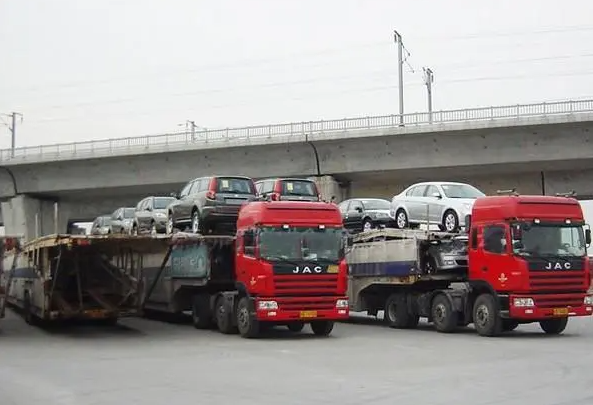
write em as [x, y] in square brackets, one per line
[539, 147]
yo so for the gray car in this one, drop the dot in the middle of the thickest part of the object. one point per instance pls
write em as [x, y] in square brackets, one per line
[121, 220]
[287, 189]
[150, 215]
[101, 225]
[207, 204]
[445, 204]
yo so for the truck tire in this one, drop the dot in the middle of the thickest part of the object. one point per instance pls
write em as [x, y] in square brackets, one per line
[554, 326]
[201, 315]
[247, 324]
[443, 315]
[397, 315]
[224, 320]
[487, 321]
[322, 328]
[295, 326]
[509, 325]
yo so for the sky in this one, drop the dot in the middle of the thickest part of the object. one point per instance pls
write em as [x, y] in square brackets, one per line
[97, 69]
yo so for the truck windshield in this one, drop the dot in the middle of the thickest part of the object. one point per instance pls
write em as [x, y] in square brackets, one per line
[548, 240]
[301, 243]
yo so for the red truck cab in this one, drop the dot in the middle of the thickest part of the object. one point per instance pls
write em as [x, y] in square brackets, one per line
[290, 266]
[528, 258]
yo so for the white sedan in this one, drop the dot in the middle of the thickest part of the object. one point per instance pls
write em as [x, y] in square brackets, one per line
[444, 204]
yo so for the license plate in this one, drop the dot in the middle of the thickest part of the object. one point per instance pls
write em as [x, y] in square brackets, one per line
[560, 311]
[308, 314]
[234, 201]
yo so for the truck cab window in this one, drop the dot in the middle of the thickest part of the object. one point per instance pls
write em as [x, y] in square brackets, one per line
[249, 242]
[495, 239]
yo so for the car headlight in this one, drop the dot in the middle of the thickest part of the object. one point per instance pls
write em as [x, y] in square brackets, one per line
[267, 305]
[588, 300]
[160, 215]
[342, 304]
[523, 302]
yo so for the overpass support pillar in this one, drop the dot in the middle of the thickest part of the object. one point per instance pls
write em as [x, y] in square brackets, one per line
[329, 187]
[30, 217]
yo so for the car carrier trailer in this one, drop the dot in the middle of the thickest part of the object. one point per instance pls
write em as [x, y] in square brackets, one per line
[76, 277]
[524, 260]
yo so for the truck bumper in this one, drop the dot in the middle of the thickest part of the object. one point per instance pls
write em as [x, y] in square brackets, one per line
[539, 312]
[265, 310]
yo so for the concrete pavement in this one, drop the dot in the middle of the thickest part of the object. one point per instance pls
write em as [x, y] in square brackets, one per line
[149, 362]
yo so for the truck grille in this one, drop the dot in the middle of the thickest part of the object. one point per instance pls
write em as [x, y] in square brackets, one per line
[558, 300]
[310, 284]
[306, 303]
[558, 281]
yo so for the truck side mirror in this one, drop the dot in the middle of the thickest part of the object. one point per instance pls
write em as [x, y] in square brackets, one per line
[588, 236]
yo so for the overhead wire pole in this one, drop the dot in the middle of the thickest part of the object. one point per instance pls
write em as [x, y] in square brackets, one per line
[400, 64]
[12, 128]
[428, 80]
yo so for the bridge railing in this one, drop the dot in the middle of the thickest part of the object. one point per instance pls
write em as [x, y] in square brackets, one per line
[178, 140]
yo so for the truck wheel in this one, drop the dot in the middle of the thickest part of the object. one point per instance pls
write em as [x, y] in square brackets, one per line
[396, 313]
[554, 326]
[223, 316]
[509, 325]
[322, 328]
[485, 315]
[248, 326]
[295, 326]
[444, 316]
[201, 315]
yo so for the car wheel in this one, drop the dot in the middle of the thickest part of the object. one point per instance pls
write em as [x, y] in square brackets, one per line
[135, 230]
[450, 221]
[401, 219]
[170, 224]
[367, 225]
[195, 222]
[153, 231]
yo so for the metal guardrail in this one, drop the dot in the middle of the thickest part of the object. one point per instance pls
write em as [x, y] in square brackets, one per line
[225, 137]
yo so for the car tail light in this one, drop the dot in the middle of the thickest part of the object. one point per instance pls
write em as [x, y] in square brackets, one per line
[211, 195]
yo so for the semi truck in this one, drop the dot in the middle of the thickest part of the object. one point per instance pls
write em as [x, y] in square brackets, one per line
[521, 259]
[75, 277]
[284, 266]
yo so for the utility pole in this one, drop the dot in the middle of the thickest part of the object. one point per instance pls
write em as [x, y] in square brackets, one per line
[12, 129]
[193, 129]
[400, 62]
[428, 80]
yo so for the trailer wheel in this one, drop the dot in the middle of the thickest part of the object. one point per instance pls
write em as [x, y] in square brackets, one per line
[396, 313]
[485, 314]
[554, 326]
[247, 324]
[223, 316]
[295, 326]
[443, 315]
[200, 312]
[322, 328]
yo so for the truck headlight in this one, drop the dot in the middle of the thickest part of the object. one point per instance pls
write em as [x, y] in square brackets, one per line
[267, 305]
[588, 300]
[342, 304]
[523, 302]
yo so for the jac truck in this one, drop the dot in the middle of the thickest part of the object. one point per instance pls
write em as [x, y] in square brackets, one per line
[284, 266]
[522, 259]
[74, 277]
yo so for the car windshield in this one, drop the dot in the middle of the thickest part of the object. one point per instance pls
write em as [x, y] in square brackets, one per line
[129, 212]
[301, 243]
[160, 203]
[548, 240]
[299, 187]
[461, 191]
[375, 204]
[235, 185]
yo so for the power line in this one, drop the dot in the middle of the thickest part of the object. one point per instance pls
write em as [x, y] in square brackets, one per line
[240, 63]
[331, 94]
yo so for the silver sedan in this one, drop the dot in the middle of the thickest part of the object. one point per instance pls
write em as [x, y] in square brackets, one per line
[444, 204]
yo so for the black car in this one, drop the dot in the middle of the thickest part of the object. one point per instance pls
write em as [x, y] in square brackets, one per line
[364, 214]
[447, 256]
[208, 203]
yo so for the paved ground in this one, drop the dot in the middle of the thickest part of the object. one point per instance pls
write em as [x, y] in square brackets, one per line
[150, 362]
